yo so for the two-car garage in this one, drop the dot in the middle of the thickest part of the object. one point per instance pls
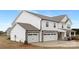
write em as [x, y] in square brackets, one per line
[47, 36]
[27, 33]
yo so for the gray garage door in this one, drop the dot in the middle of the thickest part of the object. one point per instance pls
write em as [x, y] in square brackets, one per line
[48, 36]
[33, 37]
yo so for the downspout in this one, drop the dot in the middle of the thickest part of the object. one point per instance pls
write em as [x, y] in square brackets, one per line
[26, 37]
[41, 31]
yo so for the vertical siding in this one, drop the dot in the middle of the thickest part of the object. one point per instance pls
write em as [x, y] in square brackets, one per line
[19, 32]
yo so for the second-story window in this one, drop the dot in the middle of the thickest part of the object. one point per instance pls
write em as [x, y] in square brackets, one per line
[54, 25]
[62, 26]
[68, 26]
[47, 24]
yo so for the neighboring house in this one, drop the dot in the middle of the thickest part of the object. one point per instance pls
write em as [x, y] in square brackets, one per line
[8, 31]
[30, 27]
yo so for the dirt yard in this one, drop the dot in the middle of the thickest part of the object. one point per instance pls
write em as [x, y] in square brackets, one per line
[59, 44]
[7, 44]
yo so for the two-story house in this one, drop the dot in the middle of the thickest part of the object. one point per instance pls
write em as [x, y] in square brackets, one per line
[31, 27]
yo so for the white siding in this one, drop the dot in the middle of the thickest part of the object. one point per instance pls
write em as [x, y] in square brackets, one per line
[68, 24]
[8, 31]
[19, 32]
[50, 27]
[26, 17]
[59, 25]
[64, 19]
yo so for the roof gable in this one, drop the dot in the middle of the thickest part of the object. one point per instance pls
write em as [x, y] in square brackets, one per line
[68, 20]
[39, 15]
[17, 17]
[58, 18]
[55, 18]
[22, 14]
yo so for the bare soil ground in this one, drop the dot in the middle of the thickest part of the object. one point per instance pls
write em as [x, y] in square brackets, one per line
[59, 44]
[7, 44]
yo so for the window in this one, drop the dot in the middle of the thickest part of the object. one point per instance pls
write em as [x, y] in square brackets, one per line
[32, 34]
[54, 25]
[15, 37]
[47, 24]
[29, 34]
[72, 33]
[62, 26]
[68, 26]
[47, 34]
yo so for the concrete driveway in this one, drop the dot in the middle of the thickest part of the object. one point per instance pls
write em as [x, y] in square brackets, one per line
[58, 44]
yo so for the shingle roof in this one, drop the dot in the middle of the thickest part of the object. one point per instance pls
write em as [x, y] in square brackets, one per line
[9, 29]
[55, 18]
[58, 18]
[28, 26]
[73, 31]
[39, 15]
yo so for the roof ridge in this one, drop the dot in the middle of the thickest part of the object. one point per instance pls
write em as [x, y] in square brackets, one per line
[35, 13]
[23, 23]
[59, 15]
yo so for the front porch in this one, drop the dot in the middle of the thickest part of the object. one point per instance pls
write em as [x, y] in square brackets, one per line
[71, 33]
[66, 35]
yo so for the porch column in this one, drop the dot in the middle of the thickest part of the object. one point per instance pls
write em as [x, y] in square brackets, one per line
[74, 33]
[64, 34]
[40, 36]
[70, 34]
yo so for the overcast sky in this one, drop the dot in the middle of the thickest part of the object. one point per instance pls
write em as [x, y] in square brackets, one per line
[8, 16]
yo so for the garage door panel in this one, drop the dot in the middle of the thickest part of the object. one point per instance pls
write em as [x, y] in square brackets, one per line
[49, 36]
[33, 37]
